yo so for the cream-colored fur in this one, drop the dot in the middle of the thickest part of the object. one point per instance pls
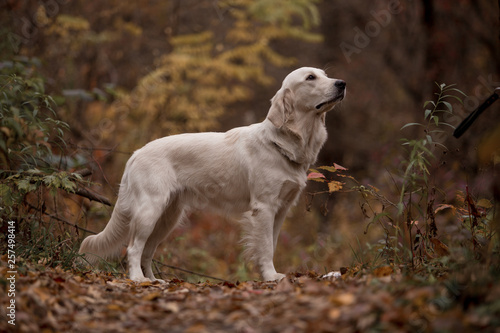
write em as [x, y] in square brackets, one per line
[254, 173]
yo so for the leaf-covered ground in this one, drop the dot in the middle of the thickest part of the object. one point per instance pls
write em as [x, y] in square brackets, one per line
[53, 300]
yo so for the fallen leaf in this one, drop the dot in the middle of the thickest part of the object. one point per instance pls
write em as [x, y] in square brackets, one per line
[197, 328]
[383, 271]
[334, 313]
[343, 299]
[151, 296]
[170, 306]
[284, 286]
[114, 307]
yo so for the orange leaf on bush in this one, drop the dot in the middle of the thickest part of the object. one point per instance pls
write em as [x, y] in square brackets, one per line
[334, 186]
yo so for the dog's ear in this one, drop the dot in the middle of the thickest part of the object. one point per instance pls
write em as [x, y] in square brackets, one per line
[281, 110]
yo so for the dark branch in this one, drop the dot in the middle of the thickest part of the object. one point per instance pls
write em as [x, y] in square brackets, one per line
[83, 192]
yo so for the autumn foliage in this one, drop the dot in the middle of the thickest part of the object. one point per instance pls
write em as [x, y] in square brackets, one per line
[407, 214]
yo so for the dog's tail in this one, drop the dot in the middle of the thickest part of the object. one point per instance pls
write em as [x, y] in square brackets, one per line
[108, 243]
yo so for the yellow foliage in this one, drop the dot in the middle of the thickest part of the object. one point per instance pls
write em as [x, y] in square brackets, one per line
[129, 27]
[192, 85]
[74, 33]
[41, 16]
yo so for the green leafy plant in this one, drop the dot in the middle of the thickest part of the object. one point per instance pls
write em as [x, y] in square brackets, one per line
[29, 128]
[420, 152]
[30, 135]
[30, 138]
[409, 222]
[19, 184]
[417, 194]
[48, 246]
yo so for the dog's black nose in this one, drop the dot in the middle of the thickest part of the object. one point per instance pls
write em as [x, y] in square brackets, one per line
[340, 84]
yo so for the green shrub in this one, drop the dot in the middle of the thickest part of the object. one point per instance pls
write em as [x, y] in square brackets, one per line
[408, 217]
[30, 137]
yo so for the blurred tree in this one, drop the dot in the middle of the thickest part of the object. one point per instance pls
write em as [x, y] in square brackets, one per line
[192, 85]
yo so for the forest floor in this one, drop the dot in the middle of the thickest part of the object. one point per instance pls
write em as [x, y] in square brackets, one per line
[54, 300]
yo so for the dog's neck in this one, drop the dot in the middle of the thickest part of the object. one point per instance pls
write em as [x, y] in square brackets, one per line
[300, 148]
[288, 155]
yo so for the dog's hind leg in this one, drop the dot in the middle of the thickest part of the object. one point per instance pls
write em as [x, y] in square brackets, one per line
[142, 226]
[170, 218]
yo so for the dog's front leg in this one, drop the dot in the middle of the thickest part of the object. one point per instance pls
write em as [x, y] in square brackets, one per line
[260, 242]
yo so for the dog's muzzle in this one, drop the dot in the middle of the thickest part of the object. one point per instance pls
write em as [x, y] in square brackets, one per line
[341, 91]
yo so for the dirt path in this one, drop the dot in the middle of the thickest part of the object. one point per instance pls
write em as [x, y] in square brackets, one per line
[60, 301]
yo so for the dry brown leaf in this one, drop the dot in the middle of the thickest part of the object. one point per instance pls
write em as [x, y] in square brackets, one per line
[484, 203]
[383, 271]
[343, 299]
[284, 286]
[440, 248]
[197, 328]
[146, 284]
[56, 301]
[334, 313]
[151, 296]
[114, 307]
[170, 306]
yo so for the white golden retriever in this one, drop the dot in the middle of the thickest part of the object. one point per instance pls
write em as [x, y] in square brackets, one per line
[255, 173]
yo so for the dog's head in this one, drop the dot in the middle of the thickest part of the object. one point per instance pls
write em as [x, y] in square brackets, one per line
[305, 91]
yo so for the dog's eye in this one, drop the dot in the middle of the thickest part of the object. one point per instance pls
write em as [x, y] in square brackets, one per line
[310, 77]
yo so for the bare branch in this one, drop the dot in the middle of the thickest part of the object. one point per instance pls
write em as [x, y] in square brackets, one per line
[83, 192]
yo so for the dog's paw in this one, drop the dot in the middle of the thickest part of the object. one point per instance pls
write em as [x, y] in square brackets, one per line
[141, 279]
[275, 277]
[159, 281]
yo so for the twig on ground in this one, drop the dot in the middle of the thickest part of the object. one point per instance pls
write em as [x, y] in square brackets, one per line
[188, 271]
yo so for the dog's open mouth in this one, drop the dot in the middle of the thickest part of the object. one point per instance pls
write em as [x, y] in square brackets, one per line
[337, 98]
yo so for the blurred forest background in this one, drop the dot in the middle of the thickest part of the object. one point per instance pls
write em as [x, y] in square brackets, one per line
[121, 74]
